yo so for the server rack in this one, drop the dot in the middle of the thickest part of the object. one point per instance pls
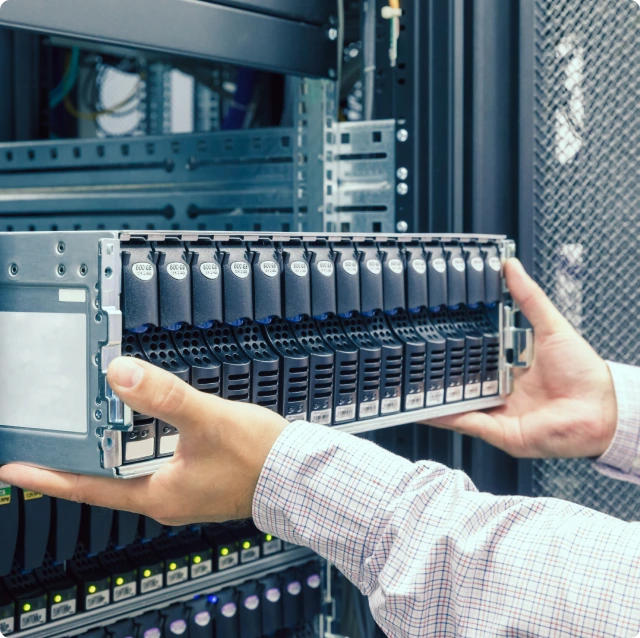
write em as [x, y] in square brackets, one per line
[450, 141]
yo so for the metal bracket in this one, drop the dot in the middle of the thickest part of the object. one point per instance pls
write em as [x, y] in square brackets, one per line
[518, 342]
[119, 415]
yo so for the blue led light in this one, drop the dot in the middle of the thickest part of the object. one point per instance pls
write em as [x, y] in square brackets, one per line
[493, 304]
[205, 326]
[474, 305]
[391, 312]
[454, 307]
[295, 319]
[265, 321]
[435, 308]
[236, 323]
[140, 329]
[415, 311]
[175, 327]
[212, 599]
[321, 317]
[197, 597]
[371, 313]
[346, 315]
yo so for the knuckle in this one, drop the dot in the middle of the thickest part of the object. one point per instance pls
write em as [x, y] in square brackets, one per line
[169, 397]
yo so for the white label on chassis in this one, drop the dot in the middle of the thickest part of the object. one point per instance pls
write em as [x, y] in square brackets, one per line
[345, 413]
[7, 625]
[389, 406]
[143, 271]
[150, 584]
[177, 270]
[122, 592]
[414, 401]
[472, 391]
[33, 618]
[435, 397]
[63, 609]
[325, 268]
[272, 547]
[454, 394]
[369, 409]
[201, 569]
[269, 268]
[228, 561]
[97, 600]
[177, 576]
[249, 555]
[323, 417]
[489, 388]
[210, 270]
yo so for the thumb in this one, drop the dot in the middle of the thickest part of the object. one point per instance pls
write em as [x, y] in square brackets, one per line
[150, 390]
[545, 318]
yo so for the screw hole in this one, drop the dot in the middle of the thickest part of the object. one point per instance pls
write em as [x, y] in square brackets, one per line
[108, 272]
[62, 269]
[61, 247]
[13, 269]
[98, 318]
[98, 415]
[83, 270]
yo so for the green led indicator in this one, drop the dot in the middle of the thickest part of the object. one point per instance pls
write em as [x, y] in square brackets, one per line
[26, 607]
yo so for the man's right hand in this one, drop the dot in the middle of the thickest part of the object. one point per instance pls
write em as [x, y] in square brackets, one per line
[564, 405]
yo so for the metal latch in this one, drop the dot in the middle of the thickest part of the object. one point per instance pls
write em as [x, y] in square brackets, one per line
[518, 342]
[119, 415]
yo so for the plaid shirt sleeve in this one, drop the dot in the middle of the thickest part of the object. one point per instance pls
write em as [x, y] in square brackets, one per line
[437, 558]
[622, 459]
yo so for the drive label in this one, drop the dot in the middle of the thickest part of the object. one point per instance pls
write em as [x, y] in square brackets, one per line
[495, 263]
[420, 266]
[150, 584]
[454, 394]
[458, 264]
[177, 576]
[489, 388]
[240, 269]
[63, 609]
[477, 264]
[345, 413]
[201, 569]
[389, 406]
[414, 401]
[143, 270]
[325, 268]
[210, 270]
[395, 265]
[123, 592]
[5, 493]
[177, 270]
[439, 265]
[350, 266]
[369, 409]
[269, 268]
[472, 391]
[299, 268]
[374, 266]
[435, 397]
[323, 417]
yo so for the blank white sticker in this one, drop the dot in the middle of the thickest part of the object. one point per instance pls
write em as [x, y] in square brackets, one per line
[168, 444]
[495, 263]
[72, 295]
[135, 450]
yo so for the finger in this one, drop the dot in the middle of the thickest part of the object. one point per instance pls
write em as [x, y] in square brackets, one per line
[129, 495]
[535, 305]
[150, 390]
[478, 424]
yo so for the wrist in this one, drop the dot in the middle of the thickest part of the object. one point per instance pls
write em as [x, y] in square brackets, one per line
[249, 444]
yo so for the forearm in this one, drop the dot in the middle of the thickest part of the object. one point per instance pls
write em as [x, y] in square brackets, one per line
[622, 459]
[436, 557]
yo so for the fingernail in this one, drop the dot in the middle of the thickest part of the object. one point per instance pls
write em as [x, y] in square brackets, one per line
[125, 372]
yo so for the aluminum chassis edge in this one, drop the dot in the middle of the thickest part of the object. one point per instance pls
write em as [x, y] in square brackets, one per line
[106, 414]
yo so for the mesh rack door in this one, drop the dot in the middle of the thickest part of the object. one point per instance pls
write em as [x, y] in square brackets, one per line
[587, 200]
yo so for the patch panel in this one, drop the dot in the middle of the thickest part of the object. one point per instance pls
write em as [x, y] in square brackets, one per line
[355, 332]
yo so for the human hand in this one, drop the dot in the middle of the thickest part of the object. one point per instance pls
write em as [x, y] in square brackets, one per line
[564, 405]
[214, 472]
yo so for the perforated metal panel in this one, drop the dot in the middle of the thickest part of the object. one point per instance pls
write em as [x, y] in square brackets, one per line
[587, 200]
